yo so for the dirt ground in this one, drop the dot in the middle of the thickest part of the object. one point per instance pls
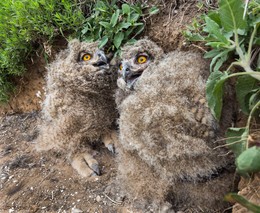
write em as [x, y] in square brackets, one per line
[45, 182]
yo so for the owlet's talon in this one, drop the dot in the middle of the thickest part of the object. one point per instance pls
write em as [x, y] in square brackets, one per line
[85, 165]
[111, 148]
[110, 140]
[95, 168]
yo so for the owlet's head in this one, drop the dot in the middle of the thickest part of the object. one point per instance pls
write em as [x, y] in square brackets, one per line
[135, 60]
[85, 67]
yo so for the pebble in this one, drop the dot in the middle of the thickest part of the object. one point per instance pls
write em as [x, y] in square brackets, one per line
[75, 210]
[98, 198]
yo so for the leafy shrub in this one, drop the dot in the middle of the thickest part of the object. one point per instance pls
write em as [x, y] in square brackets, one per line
[24, 25]
[226, 31]
[233, 30]
[114, 23]
[27, 24]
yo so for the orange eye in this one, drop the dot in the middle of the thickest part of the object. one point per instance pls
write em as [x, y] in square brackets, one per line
[121, 66]
[141, 59]
[86, 57]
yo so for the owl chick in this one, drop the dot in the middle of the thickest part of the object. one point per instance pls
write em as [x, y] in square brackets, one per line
[79, 108]
[168, 155]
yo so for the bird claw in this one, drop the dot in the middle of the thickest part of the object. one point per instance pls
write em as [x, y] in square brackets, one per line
[110, 140]
[95, 168]
[111, 148]
[85, 165]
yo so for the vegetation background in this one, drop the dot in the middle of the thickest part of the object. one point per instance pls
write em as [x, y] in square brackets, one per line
[32, 32]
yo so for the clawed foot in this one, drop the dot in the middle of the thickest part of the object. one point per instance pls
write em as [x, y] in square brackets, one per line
[111, 148]
[110, 141]
[85, 165]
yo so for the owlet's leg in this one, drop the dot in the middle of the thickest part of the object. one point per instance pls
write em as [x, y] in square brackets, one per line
[85, 165]
[110, 140]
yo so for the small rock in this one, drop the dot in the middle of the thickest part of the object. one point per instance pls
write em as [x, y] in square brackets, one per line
[75, 210]
[98, 198]
[11, 210]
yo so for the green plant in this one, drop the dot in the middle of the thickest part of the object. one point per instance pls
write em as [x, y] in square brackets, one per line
[27, 24]
[114, 23]
[232, 197]
[228, 33]
[232, 32]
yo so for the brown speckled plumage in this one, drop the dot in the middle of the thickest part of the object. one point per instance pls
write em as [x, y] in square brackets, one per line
[168, 135]
[79, 108]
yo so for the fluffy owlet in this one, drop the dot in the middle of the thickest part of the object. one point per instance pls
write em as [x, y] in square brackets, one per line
[168, 152]
[79, 108]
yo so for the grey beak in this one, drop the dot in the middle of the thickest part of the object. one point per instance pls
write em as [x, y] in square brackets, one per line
[102, 59]
[126, 71]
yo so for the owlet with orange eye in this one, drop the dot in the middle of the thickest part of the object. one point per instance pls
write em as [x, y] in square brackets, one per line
[168, 135]
[84, 73]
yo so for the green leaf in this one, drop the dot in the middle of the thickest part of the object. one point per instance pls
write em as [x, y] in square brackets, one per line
[214, 15]
[139, 29]
[101, 6]
[220, 62]
[233, 198]
[85, 29]
[214, 92]
[138, 24]
[105, 24]
[128, 32]
[231, 14]
[213, 28]
[237, 139]
[118, 39]
[133, 17]
[257, 41]
[113, 2]
[212, 53]
[223, 55]
[253, 100]
[123, 25]
[249, 161]
[244, 86]
[193, 36]
[103, 42]
[131, 41]
[153, 10]
[87, 38]
[115, 18]
[137, 8]
[216, 44]
[125, 9]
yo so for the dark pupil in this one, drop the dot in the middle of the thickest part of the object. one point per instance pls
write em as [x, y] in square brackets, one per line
[141, 59]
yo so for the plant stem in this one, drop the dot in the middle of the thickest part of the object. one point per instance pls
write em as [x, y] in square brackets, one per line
[250, 117]
[246, 65]
[232, 64]
[238, 48]
[245, 59]
[251, 43]
[244, 73]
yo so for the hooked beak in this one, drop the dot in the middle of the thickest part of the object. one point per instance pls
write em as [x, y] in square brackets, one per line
[102, 60]
[129, 76]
